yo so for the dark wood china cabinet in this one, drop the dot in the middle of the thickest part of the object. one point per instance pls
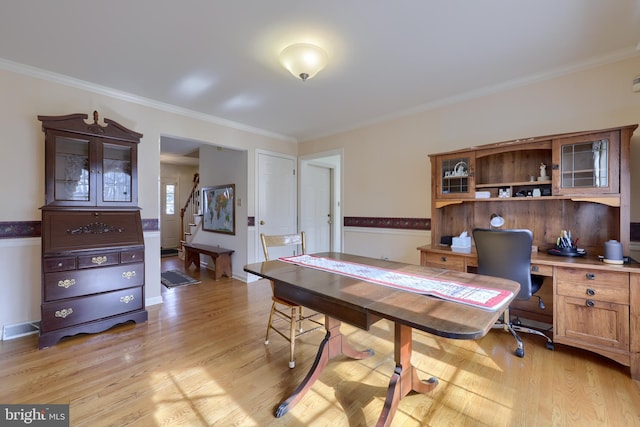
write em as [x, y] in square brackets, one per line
[92, 240]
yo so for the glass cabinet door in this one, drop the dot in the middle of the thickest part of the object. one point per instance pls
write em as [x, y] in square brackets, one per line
[89, 172]
[116, 173]
[89, 165]
[455, 176]
[70, 178]
[584, 164]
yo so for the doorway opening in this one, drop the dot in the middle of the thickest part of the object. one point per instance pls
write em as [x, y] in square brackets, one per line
[320, 195]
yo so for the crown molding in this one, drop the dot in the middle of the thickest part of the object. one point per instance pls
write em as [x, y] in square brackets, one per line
[62, 79]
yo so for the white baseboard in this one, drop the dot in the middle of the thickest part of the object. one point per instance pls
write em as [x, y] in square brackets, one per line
[153, 301]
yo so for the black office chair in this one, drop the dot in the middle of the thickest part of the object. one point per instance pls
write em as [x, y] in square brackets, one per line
[507, 254]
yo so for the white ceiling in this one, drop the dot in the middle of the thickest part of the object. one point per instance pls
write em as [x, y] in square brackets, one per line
[386, 57]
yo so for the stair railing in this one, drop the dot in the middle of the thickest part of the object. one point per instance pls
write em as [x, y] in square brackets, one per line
[191, 208]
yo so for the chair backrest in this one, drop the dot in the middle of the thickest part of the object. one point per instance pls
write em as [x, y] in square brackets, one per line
[506, 254]
[282, 240]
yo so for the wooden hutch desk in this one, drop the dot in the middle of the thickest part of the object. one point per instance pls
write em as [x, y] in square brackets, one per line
[591, 305]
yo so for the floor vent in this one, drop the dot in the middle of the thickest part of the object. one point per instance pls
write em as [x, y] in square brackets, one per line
[10, 332]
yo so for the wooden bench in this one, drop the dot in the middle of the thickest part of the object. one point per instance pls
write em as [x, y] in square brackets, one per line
[220, 256]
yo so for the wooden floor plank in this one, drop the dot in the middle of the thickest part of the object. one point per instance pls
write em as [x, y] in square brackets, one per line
[200, 360]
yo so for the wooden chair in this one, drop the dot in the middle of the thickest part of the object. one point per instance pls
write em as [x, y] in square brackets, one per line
[282, 309]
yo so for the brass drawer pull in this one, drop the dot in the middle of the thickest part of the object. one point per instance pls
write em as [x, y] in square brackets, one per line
[591, 276]
[591, 292]
[535, 268]
[591, 303]
[99, 260]
[64, 312]
[126, 299]
[66, 283]
[128, 274]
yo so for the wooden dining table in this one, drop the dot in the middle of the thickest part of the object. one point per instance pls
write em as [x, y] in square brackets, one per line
[361, 303]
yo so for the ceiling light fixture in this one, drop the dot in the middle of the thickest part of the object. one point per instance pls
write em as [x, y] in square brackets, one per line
[303, 60]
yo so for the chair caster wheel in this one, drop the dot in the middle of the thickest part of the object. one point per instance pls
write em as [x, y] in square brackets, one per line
[292, 365]
[266, 342]
[520, 352]
[551, 346]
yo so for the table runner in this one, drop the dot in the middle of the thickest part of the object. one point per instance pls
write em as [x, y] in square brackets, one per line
[476, 296]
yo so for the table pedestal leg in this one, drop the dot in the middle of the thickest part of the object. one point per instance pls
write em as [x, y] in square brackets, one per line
[404, 378]
[333, 344]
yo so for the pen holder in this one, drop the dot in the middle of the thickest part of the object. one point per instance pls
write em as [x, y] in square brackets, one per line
[572, 251]
[568, 251]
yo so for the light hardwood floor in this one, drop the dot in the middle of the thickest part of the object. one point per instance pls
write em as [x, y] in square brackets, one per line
[200, 360]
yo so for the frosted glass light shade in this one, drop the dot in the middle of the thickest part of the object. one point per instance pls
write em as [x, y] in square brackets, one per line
[303, 60]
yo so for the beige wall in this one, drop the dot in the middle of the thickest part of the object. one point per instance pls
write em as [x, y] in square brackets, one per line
[386, 165]
[222, 166]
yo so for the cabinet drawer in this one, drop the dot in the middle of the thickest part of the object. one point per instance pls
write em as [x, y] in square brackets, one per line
[132, 256]
[59, 264]
[449, 262]
[594, 285]
[69, 312]
[69, 284]
[602, 323]
[542, 270]
[98, 260]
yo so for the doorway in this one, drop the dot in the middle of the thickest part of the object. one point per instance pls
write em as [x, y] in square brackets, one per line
[320, 208]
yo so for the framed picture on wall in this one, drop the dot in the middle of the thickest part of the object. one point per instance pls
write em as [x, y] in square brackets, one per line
[218, 209]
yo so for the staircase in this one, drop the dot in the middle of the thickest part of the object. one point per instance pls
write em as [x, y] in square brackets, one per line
[192, 212]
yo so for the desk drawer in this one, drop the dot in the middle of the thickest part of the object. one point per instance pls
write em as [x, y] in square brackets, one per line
[98, 260]
[598, 323]
[58, 264]
[595, 285]
[446, 261]
[73, 311]
[542, 270]
[132, 256]
[69, 284]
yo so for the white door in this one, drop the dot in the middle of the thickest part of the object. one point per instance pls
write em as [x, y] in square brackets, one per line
[317, 217]
[170, 216]
[277, 201]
